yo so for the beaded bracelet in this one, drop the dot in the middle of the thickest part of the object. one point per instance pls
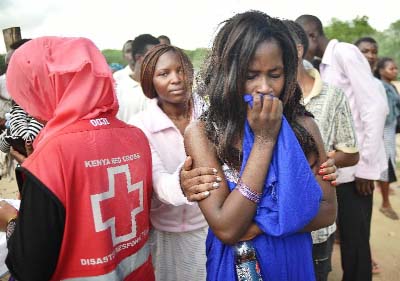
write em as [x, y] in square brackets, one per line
[252, 195]
[11, 227]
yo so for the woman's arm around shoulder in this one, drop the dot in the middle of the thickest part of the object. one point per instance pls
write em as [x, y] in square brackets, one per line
[327, 211]
[229, 214]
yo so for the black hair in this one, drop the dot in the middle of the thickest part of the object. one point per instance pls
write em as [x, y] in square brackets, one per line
[149, 67]
[164, 37]
[127, 42]
[298, 34]
[140, 42]
[224, 75]
[18, 43]
[316, 62]
[365, 39]
[380, 65]
[310, 19]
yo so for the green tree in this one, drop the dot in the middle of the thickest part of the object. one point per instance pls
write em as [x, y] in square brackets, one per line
[113, 56]
[389, 42]
[197, 56]
[349, 31]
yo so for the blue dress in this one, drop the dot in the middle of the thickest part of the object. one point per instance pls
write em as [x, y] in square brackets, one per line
[291, 199]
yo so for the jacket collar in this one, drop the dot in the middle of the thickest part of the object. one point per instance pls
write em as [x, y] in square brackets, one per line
[155, 119]
[317, 87]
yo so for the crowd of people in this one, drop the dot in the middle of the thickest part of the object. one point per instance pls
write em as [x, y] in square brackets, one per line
[248, 171]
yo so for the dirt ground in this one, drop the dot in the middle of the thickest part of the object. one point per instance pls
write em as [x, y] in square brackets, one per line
[385, 236]
[385, 242]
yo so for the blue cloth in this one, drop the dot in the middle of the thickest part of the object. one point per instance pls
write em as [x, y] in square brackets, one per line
[291, 199]
[393, 99]
[116, 66]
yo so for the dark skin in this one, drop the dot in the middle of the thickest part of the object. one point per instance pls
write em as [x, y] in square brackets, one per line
[137, 64]
[317, 46]
[327, 212]
[196, 183]
[229, 214]
[20, 157]
[199, 179]
[364, 187]
[173, 98]
[222, 210]
[306, 82]
[370, 51]
[2, 123]
[325, 207]
[7, 211]
[127, 54]
[388, 74]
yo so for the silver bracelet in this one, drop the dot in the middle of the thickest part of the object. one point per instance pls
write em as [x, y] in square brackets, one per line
[246, 191]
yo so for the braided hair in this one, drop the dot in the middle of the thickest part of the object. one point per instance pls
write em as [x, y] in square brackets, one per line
[298, 34]
[224, 75]
[149, 67]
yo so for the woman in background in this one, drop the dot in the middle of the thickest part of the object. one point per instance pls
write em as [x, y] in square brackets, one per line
[270, 196]
[386, 70]
[179, 229]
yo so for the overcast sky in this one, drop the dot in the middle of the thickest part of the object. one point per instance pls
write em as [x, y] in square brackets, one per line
[189, 24]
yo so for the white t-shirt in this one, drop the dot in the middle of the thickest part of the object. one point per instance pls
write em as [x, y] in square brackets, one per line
[122, 73]
[130, 98]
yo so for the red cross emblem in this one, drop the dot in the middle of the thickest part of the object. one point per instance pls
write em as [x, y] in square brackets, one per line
[106, 206]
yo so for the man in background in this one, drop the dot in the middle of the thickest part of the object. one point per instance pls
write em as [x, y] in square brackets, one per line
[344, 66]
[164, 39]
[129, 92]
[127, 56]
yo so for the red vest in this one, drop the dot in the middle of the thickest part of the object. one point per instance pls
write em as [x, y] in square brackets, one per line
[100, 170]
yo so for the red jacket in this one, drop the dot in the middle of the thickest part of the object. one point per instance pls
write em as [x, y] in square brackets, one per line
[105, 188]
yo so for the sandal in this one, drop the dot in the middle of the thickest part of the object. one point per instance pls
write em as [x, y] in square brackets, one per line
[389, 212]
